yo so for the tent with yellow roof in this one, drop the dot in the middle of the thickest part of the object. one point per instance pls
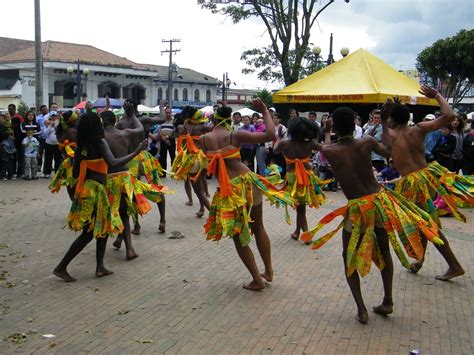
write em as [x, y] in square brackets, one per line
[360, 80]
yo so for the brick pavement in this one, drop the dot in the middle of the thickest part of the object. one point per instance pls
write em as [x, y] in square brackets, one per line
[186, 296]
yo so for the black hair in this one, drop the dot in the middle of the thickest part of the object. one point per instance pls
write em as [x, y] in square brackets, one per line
[89, 131]
[130, 102]
[400, 114]
[302, 129]
[226, 112]
[344, 121]
[42, 106]
[235, 113]
[312, 113]
[462, 123]
[276, 115]
[34, 115]
[255, 114]
[108, 117]
[59, 129]
[178, 119]
[188, 111]
[52, 103]
[12, 105]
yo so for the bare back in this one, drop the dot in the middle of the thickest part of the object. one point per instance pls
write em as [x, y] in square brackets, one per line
[351, 164]
[296, 150]
[407, 148]
[119, 143]
[194, 129]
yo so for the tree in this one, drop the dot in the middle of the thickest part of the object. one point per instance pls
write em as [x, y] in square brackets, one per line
[265, 96]
[22, 108]
[448, 64]
[288, 24]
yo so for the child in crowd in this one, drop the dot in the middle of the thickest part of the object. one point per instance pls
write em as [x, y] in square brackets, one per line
[30, 145]
[389, 176]
[7, 148]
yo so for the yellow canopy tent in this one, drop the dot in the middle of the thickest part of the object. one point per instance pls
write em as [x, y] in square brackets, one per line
[360, 80]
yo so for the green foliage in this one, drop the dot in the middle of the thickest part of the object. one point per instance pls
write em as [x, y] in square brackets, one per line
[265, 96]
[288, 24]
[449, 64]
[22, 108]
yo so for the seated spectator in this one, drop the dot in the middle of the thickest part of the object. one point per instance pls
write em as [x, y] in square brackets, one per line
[389, 175]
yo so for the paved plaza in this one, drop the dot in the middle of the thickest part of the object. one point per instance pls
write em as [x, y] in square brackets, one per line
[186, 295]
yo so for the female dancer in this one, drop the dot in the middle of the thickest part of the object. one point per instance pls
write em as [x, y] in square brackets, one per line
[236, 208]
[90, 209]
[301, 182]
[191, 161]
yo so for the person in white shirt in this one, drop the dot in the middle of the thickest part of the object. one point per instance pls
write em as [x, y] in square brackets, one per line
[30, 145]
[51, 151]
[358, 131]
[236, 121]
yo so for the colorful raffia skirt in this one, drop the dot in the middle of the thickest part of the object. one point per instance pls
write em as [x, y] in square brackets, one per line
[187, 163]
[230, 216]
[63, 177]
[401, 219]
[92, 208]
[422, 186]
[136, 192]
[311, 194]
[150, 165]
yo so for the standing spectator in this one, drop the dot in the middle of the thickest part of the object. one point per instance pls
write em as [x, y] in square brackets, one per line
[375, 130]
[17, 119]
[280, 133]
[312, 116]
[30, 124]
[51, 149]
[236, 121]
[358, 131]
[444, 147]
[44, 112]
[30, 147]
[167, 139]
[255, 117]
[430, 140]
[458, 132]
[7, 148]
[260, 151]
[247, 150]
[292, 113]
[468, 153]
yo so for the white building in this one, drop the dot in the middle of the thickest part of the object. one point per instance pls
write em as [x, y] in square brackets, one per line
[101, 73]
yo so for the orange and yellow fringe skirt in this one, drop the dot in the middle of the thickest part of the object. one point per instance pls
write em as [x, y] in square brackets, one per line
[422, 186]
[150, 165]
[63, 177]
[230, 215]
[402, 220]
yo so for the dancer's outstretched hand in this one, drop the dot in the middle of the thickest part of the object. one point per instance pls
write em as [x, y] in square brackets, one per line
[428, 91]
[259, 104]
[142, 146]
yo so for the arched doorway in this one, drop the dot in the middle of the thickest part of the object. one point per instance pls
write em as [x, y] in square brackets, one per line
[134, 91]
[110, 88]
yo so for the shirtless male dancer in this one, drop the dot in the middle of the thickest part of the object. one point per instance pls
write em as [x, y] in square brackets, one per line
[119, 141]
[407, 150]
[129, 120]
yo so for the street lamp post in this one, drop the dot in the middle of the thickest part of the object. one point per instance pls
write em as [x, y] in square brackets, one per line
[317, 51]
[225, 85]
[86, 72]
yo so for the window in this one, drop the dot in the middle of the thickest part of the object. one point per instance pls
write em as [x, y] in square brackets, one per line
[160, 94]
[196, 95]
[185, 94]
[208, 95]
[175, 95]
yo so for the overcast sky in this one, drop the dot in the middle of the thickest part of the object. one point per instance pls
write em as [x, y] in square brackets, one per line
[394, 30]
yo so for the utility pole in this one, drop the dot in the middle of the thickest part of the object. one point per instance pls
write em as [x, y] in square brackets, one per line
[38, 58]
[330, 57]
[170, 68]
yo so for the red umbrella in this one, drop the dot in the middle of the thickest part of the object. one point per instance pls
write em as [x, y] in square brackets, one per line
[81, 105]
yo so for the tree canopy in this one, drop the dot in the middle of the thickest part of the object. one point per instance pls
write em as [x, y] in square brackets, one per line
[265, 96]
[448, 64]
[288, 24]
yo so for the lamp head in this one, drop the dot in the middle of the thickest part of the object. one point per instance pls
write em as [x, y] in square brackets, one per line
[344, 51]
[70, 70]
[316, 50]
[86, 71]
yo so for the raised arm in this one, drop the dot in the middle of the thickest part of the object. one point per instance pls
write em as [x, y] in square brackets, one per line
[258, 137]
[110, 158]
[447, 114]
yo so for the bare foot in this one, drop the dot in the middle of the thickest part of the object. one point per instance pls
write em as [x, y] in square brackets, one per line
[416, 266]
[385, 308]
[63, 274]
[161, 227]
[200, 213]
[189, 203]
[254, 286]
[451, 273]
[136, 230]
[294, 236]
[362, 316]
[118, 243]
[101, 272]
[267, 276]
[131, 254]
